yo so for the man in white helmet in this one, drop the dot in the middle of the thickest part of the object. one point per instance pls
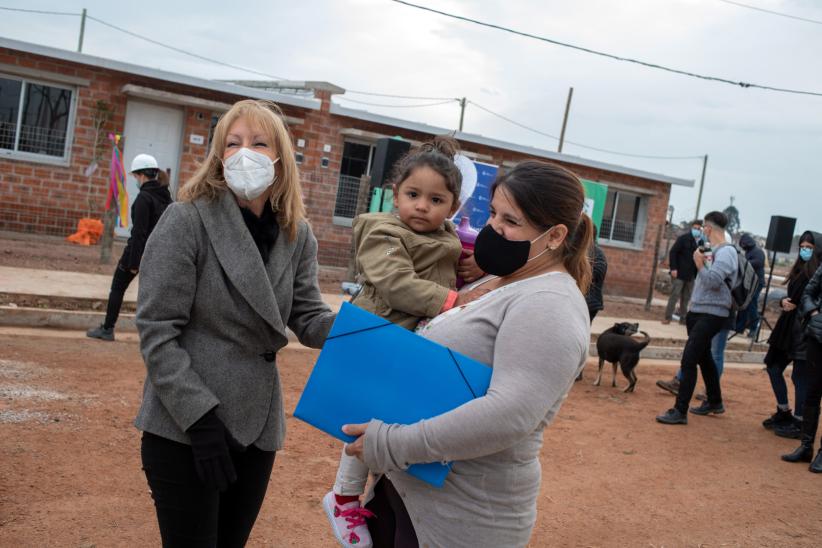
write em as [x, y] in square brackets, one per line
[149, 205]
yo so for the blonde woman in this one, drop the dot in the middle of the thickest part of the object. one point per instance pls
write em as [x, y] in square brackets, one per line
[226, 270]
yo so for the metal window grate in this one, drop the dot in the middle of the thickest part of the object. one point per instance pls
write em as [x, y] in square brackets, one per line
[41, 140]
[348, 192]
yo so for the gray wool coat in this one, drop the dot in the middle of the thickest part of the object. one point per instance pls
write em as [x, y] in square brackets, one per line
[212, 315]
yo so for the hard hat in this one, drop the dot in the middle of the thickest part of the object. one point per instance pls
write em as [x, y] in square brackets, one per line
[143, 161]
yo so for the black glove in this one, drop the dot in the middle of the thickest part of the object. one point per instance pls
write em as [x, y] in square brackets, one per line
[210, 443]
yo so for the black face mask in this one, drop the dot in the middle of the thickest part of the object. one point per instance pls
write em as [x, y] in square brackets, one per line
[500, 257]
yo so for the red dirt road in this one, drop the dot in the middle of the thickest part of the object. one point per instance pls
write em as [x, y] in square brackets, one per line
[70, 471]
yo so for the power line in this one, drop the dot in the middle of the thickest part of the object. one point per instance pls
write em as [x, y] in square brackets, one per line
[616, 152]
[178, 50]
[400, 96]
[450, 101]
[43, 12]
[609, 55]
[780, 14]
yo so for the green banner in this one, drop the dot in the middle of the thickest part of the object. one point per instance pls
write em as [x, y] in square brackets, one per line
[595, 196]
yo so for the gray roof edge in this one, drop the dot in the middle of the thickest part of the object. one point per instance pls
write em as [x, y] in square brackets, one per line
[496, 143]
[213, 85]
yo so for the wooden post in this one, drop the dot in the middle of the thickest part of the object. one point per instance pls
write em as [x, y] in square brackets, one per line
[653, 269]
[107, 240]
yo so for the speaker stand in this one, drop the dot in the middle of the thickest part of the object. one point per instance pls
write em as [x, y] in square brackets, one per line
[762, 319]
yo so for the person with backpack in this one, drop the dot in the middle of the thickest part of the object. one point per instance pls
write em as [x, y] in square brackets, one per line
[711, 307]
[749, 317]
[146, 210]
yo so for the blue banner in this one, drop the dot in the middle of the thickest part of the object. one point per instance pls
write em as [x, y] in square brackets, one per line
[477, 206]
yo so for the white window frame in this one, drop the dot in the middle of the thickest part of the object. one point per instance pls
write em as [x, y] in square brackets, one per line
[65, 159]
[641, 223]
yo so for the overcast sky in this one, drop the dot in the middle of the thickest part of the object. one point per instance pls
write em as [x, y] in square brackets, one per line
[765, 148]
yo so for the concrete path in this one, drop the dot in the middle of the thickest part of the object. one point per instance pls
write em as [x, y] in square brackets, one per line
[667, 340]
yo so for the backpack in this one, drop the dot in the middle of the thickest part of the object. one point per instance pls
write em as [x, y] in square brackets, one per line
[746, 282]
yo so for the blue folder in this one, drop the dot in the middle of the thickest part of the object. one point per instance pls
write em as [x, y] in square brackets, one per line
[371, 368]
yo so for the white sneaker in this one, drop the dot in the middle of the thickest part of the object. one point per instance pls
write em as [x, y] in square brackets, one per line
[348, 521]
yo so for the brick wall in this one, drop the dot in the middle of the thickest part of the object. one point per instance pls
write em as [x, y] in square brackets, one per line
[36, 197]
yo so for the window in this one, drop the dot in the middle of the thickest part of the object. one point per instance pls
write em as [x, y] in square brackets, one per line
[35, 119]
[623, 220]
[357, 159]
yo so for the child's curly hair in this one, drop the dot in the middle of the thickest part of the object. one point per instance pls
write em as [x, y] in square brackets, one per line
[437, 154]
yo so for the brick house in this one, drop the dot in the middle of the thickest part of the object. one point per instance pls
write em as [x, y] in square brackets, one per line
[57, 108]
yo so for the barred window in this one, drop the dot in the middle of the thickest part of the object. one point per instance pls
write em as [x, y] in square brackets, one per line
[357, 159]
[622, 220]
[34, 119]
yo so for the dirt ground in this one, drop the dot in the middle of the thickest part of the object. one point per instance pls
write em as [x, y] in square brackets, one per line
[70, 471]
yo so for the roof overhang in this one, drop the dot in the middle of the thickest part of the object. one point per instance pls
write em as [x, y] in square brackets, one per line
[340, 110]
[173, 77]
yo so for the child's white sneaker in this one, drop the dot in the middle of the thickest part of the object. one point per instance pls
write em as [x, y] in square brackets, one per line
[348, 521]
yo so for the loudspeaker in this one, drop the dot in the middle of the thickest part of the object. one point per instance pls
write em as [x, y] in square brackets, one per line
[387, 153]
[780, 234]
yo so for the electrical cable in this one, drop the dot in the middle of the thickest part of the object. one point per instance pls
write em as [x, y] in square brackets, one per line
[450, 101]
[178, 50]
[771, 12]
[399, 96]
[610, 55]
[43, 12]
[618, 153]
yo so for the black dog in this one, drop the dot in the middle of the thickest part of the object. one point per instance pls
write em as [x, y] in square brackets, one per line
[617, 346]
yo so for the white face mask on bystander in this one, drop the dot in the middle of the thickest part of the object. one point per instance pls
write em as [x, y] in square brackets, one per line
[248, 173]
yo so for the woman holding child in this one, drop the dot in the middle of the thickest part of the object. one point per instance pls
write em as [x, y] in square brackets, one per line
[534, 249]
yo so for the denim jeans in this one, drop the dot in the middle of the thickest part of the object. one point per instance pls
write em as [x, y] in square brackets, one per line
[702, 328]
[799, 378]
[750, 316]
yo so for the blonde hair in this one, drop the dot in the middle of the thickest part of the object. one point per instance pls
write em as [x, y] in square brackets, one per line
[286, 198]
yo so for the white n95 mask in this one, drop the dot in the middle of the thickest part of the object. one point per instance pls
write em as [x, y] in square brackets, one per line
[249, 173]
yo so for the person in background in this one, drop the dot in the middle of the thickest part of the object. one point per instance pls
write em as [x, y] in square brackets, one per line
[146, 210]
[786, 343]
[708, 313]
[749, 318]
[809, 308]
[683, 271]
[599, 267]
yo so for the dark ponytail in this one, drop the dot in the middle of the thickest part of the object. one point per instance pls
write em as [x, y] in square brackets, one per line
[550, 195]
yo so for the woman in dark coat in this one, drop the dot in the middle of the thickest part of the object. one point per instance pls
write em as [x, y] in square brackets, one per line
[786, 344]
[808, 310]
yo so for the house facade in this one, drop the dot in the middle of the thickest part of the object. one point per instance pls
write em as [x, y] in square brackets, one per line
[58, 110]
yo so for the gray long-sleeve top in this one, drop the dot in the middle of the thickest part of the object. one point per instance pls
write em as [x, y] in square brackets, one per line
[535, 334]
[712, 289]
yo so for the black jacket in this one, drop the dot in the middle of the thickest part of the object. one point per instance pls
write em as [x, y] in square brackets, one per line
[599, 266]
[812, 301]
[681, 257]
[149, 205]
[754, 254]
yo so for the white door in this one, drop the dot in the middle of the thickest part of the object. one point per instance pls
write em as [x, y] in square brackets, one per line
[151, 129]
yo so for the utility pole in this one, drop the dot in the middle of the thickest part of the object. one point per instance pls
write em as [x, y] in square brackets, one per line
[701, 184]
[462, 111]
[82, 31]
[565, 119]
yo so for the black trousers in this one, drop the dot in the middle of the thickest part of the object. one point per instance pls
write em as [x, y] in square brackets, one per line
[391, 527]
[701, 329]
[191, 515]
[813, 395]
[122, 279]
